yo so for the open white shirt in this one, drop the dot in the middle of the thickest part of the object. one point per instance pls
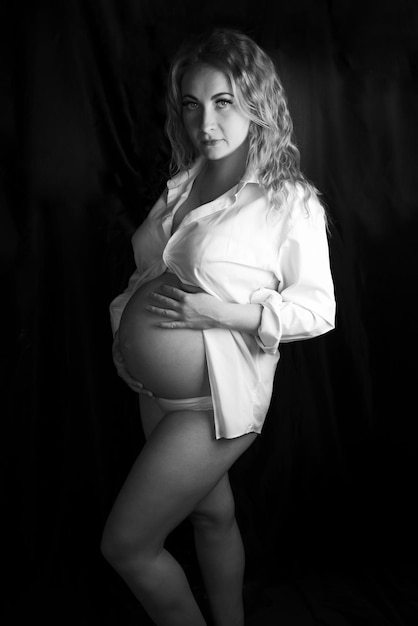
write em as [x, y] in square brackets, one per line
[240, 249]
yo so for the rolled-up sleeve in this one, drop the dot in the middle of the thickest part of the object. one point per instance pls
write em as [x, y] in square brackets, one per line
[303, 306]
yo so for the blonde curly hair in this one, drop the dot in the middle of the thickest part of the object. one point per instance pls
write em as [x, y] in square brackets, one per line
[258, 91]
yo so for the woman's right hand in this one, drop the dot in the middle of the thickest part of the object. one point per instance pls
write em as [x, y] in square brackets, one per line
[122, 371]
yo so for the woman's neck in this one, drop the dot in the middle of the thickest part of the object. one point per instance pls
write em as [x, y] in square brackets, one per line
[227, 172]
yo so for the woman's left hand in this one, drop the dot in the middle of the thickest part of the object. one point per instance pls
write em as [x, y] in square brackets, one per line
[188, 307]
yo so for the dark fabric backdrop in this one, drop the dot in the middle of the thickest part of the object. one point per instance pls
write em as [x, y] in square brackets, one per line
[327, 493]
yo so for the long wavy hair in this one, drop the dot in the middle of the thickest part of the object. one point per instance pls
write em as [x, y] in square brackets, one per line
[259, 94]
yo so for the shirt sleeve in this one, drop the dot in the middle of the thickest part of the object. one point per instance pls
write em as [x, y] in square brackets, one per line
[303, 306]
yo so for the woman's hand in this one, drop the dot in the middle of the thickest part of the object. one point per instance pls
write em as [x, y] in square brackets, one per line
[119, 362]
[188, 307]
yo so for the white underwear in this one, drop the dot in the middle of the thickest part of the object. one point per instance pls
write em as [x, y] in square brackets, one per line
[168, 405]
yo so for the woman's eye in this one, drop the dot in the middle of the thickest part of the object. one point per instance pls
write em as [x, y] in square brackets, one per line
[222, 104]
[190, 106]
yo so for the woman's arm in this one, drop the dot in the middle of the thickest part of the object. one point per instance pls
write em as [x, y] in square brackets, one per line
[198, 310]
[302, 307]
[245, 318]
[304, 304]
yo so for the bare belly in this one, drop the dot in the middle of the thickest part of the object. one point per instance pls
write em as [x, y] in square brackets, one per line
[169, 362]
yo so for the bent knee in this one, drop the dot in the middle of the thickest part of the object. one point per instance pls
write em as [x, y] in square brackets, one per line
[130, 559]
[120, 548]
[207, 519]
[114, 547]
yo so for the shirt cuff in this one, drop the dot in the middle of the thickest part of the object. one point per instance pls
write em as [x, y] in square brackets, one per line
[269, 331]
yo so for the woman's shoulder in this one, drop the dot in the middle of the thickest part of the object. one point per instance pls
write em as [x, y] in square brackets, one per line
[301, 200]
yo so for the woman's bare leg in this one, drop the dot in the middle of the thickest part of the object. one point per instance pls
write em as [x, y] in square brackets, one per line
[179, 466]
[218, 540]
[221, 554]
[219, 546]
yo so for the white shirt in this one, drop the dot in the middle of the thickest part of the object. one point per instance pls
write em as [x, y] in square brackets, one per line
[239, 249]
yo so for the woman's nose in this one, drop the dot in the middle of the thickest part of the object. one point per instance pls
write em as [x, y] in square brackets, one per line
[208, 121]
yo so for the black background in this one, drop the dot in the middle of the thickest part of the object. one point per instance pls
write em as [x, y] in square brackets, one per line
[326, 496]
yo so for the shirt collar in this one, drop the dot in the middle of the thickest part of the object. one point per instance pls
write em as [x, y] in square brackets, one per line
[186, 175]
[250, 176]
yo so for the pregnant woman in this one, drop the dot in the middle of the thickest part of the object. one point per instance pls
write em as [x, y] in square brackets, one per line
[231, 261]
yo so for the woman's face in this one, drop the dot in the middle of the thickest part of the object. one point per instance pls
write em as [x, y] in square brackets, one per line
[214, 124]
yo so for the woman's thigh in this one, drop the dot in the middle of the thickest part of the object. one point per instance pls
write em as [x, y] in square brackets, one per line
[218, 504]
[178, 467]
[151, 414]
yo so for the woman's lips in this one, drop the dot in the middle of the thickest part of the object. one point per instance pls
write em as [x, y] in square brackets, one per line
[211, 142]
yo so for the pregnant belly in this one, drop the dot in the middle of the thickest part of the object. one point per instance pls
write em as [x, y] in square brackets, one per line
[169, 362]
